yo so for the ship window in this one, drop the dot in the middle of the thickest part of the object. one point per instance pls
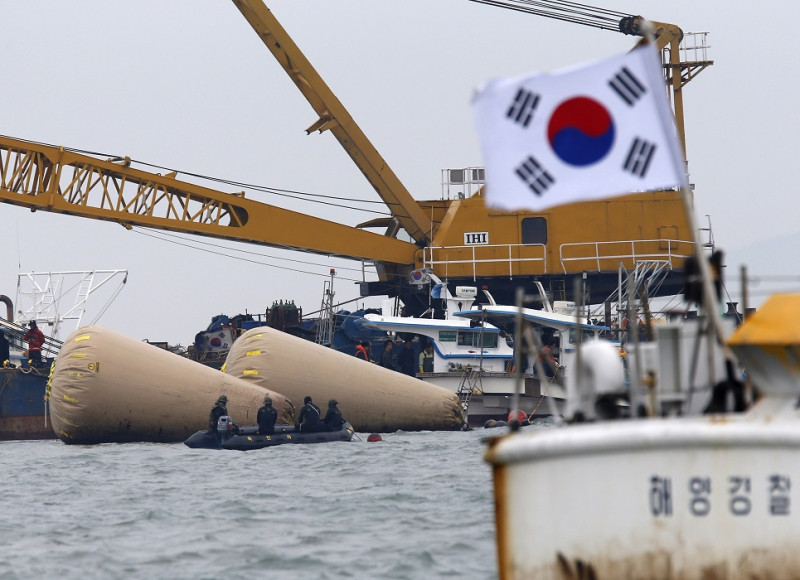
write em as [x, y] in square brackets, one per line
[473, 338]
[534, 230]
[456, 176]
[586, 335]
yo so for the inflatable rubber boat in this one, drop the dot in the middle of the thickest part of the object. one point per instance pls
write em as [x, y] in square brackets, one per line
[228, 436]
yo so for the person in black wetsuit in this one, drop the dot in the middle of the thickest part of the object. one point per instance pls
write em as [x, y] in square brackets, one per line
[333, 420]
[218, 410]
[266, 417]
[309, 418]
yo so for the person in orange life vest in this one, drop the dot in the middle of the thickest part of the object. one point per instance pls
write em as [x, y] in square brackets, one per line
[547, 359]
[361, 351]
[519, 416]
[35, 339]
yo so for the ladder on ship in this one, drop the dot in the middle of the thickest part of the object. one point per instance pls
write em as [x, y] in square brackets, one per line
[45, 296]
[466, 388]
[326, 315]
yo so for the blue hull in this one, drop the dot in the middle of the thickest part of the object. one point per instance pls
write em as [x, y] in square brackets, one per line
[22, 409]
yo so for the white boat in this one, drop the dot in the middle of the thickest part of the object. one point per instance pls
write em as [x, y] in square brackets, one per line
[474, 358]
[700, 496]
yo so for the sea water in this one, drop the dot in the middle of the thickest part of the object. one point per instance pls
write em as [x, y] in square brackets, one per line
[414, 505]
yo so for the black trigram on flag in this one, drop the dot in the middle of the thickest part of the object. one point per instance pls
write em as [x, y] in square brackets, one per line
[627, 86]
[521, 110]
[534, 175]
[639, 156]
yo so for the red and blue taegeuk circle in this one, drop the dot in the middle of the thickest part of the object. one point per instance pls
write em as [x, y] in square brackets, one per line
[580, 131]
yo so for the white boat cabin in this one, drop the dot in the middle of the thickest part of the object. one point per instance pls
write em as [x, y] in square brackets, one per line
[474, 335]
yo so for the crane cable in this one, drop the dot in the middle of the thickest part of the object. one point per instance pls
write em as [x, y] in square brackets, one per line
[182, 241]
[203, 246]
[160, 235]
[564, 10]
[186, 243]
[294, 194]
[395, 208]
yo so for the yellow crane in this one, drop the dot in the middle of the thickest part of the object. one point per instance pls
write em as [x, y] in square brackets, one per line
[458, 239]
[55, 179]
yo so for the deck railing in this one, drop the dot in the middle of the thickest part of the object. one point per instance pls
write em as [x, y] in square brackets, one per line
[608, 255]
[527, 259]
[510, 254]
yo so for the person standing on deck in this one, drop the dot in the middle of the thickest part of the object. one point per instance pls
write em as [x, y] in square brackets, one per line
[387, 358]
[426, 359]
[361, 351]
[406, 359]
[548, 360]
[35, 339]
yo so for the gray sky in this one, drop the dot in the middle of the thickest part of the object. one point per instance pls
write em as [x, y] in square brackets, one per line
[187, 84]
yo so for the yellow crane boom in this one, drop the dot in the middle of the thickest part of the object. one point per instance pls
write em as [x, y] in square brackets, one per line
[42, 177]
[334, 117]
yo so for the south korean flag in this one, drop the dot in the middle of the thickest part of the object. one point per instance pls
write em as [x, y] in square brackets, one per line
[590, 132]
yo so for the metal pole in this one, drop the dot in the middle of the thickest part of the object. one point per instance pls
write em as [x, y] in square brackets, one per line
[519, 343]
[745, 300]
[578, 289]
[679, 167]
[635, 374]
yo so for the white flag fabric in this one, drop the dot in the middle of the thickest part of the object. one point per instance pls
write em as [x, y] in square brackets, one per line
[589, 132]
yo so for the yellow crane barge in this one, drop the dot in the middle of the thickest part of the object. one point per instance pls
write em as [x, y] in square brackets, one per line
[459, 240]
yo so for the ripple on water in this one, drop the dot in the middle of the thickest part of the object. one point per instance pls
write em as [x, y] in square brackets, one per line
[415, 505]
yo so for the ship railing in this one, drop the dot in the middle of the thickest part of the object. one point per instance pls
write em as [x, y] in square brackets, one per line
[462, 183]
[518, 259]
[694, 47]
[607, 255]
[512, 255]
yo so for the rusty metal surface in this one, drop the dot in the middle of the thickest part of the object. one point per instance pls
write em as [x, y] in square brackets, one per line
[592, 510]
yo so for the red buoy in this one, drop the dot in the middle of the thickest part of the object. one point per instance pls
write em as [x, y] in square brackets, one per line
[374, 437]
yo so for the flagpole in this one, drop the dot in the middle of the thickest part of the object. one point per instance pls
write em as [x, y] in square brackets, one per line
[709, 298]
[519, 343]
